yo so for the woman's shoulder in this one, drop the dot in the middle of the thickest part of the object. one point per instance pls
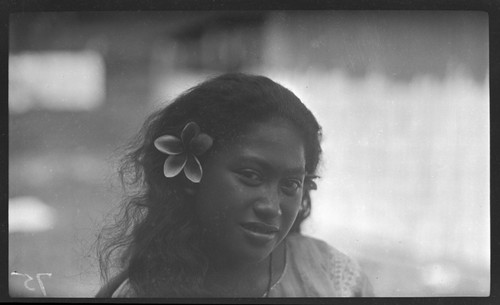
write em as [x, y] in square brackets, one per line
[117, 287]
[301, 243]
[124, 290]
[309, 247]
[343, 271]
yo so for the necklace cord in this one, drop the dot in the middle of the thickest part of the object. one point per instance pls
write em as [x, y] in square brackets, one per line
[270, 281]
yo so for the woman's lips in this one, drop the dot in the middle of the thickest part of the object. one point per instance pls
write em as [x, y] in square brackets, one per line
[260, 227]
[260, 232]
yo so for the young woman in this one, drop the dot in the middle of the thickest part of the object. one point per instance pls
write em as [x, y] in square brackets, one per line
[222, 179]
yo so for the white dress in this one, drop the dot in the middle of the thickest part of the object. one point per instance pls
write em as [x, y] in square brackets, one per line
[313, 269]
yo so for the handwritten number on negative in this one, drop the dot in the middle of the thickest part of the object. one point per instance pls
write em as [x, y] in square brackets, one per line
[29, 279]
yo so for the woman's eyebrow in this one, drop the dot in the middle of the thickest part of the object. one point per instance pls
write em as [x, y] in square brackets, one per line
[300, 171]
[268, 166]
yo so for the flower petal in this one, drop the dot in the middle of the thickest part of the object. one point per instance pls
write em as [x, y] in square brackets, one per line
[173, 165]
[169, 145]
[193, 169]
[190, 131]
[200, 144]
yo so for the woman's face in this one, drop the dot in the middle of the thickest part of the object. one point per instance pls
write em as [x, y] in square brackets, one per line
[251, 192]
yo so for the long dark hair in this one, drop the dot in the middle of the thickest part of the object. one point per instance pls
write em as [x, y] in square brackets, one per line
[156, 236]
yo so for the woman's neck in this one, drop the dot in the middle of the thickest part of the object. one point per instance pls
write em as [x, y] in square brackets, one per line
[245, 280]
[240, 281]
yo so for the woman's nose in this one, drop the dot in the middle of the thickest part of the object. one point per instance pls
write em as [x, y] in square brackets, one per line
[268, 206]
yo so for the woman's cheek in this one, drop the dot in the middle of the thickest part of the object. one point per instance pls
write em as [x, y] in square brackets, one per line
[290, 213]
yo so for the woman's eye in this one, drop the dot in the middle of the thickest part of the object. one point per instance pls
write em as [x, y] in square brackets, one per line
[251, 177]
[291, 187]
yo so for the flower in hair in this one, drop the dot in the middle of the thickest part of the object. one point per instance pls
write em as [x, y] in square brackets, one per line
[183, 152]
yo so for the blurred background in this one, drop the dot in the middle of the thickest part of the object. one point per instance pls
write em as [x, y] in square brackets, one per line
[403, 98]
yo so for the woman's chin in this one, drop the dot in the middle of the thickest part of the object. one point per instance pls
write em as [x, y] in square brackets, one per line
[242, 248]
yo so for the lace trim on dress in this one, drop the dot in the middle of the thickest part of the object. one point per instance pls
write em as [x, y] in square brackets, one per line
[346, 273]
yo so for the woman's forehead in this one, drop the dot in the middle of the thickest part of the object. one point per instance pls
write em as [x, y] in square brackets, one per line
[273, 130]
[276, 141]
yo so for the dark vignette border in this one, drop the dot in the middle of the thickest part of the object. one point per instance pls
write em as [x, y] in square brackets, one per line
[492, 7]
